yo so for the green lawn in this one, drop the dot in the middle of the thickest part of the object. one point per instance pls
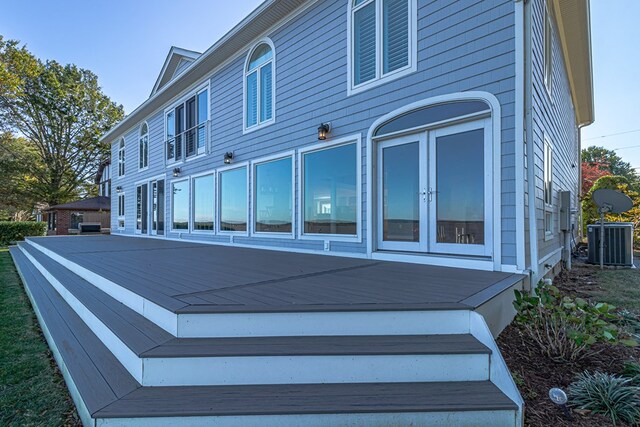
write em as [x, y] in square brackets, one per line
[620, 288]
[32, 391]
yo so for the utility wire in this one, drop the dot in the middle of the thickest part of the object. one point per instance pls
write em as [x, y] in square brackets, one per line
[612, 134]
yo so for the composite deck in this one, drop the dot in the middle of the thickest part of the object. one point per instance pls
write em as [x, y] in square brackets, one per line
[188, 277]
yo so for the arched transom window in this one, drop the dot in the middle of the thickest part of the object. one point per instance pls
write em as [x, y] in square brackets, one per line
[143, 147]
[259, 82]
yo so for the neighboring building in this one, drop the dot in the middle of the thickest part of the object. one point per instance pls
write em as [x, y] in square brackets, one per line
[425, 157]
[93, 214]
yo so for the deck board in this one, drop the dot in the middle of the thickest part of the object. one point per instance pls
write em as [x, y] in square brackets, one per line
[187, 277]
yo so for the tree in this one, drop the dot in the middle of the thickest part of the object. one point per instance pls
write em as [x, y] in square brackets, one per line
[590, 174]
[18, 159]
[590, 211]
[609, 160]
[61, 112]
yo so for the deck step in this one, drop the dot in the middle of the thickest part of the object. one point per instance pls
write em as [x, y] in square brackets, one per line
[198, 321]
[107, 394]
[154, 357]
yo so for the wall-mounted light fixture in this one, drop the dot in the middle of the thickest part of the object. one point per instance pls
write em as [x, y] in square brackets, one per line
[176, 172]
[119, 189]
[228, 157]
[323, 130]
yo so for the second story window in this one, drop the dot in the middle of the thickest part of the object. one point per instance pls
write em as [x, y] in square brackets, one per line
[121, 158]
[186, 127]
[382, 40]
[143, 149]
[259, 82]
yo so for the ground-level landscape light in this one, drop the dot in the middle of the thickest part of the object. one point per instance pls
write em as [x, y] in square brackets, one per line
[559, 397]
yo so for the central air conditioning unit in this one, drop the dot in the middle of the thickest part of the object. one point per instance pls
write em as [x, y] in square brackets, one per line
[618, 243]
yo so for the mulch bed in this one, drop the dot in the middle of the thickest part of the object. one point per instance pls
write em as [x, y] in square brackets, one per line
[535, 373]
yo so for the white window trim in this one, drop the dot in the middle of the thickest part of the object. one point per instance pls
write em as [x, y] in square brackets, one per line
[393, 75]
[218, 204]
[496, 129]
[357, 139]
[140, 136]
[171, 183]
[171, 106]
[549, 208]
[122, 148]
[124, 207]
[192, 211]
[259, 125]
[548, 60]
[268, 159]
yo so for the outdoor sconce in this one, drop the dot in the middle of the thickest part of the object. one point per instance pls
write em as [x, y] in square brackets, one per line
[323, 130]
[176, 172]
[119, 189]
[228, 157]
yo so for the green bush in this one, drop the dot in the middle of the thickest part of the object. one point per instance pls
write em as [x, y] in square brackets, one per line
[565, 328]
[13, 231]
[607, 394]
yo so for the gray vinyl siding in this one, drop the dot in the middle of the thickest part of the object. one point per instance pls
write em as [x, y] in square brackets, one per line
[553, 117]
[462, 46]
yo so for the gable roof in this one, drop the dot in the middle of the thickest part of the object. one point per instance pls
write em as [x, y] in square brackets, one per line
[267, 15]
[175, 58]
[92, 204]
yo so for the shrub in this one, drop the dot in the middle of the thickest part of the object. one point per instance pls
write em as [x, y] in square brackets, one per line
[13, 231]
[631, 370]
[607, 394]
[565, 328]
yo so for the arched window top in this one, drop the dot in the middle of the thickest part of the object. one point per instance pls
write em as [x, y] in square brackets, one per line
[144, 129]
[359, 2]
[121, 142]
[430, 114]
[261, 54]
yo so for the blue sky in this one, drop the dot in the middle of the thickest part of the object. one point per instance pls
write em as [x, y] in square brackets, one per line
[126, 42]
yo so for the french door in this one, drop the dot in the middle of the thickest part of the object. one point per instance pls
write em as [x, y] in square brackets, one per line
[434, 191]
[141, 208]
[150, 208]
[157, 207]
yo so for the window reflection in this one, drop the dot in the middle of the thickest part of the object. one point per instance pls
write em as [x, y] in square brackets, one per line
[233, 200]
[330, 193]
[273, 196]
[180, 208]
[203, 191]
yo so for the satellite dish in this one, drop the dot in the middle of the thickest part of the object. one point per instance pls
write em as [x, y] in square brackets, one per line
[611, 201]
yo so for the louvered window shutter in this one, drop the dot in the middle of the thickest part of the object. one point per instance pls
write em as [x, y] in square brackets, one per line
[252, 99]
[395, 34]
[364, 44]
[266, 93]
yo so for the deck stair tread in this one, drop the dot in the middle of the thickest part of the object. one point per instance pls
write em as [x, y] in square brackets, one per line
[146, 339]
[309, 399]
[97, 374]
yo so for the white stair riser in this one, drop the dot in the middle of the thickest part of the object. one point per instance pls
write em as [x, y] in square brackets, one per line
[434, 322]
[129, 359]
[432, 419]
[314, 369]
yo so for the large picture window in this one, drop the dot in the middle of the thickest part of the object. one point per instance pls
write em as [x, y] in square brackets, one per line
[259, 98]
[382, 39]
[233, 200]
[180, 205]
[330, 190]
[273, 195]
[186, 127]
[203, 196]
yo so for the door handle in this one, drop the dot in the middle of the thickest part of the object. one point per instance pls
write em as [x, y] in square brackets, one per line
[431, 192]
[423, 193]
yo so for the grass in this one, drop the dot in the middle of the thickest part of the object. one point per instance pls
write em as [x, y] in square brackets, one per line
[620, 288]
[32, 391]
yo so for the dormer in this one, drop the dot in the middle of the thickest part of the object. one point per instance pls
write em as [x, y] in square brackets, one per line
[177, 61]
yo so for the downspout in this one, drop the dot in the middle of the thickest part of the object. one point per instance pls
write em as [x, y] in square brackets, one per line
[531, 173]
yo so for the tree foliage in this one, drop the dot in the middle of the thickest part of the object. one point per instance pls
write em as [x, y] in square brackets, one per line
[60, 112]
[613, 182]
[608, 160]
[590, 174]
[18, 160]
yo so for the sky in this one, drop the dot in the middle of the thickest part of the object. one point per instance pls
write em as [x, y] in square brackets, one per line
[126, 42]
